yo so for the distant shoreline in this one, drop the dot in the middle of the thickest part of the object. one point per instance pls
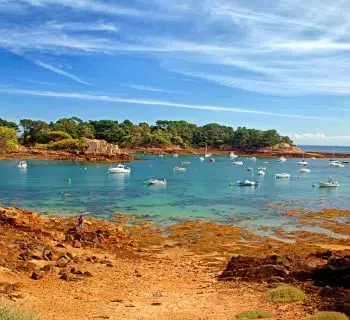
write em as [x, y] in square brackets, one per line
[128, 155]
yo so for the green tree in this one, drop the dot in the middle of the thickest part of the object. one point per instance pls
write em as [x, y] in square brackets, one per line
[8, 139]
[34, 131]
[9, 124]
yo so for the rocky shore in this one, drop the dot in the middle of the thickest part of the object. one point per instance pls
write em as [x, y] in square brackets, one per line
[129, 269]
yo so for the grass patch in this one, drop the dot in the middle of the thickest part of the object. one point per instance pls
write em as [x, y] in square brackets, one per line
[253, 314]
[285, 294]
[327, 315]
[7, 313]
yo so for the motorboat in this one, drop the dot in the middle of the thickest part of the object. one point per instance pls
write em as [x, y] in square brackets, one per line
[250, 169]
[212, 160]
[282, 159]
[160, 156]
[253, 158]
[180, 169]
[266, 162]
[238, 163]
[329, 184]
[305, 170]
[22, 165]
[303, 163]
[207, 155]
[282, 175]
[175, 155]
[233, 155]
[152, 182]
[262, 168]
[336, 164]
[261, 173]
[201, 159]
[120, 168]
[247, 183]
[185, 162]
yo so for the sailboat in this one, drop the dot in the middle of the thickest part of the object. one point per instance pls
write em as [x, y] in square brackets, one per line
[233, 155]
[207, 155]
[303, 162]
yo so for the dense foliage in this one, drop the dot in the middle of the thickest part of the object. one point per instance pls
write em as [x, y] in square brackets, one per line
[163, 133]
[8, 139]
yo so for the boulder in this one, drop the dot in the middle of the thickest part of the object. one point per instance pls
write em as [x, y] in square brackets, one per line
[37, 275]
[62, 262]
[281, 148]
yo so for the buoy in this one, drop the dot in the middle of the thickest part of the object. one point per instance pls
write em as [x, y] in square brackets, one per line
[313, 185]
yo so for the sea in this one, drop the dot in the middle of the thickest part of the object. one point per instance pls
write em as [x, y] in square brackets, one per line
[206, 190]
[326, 149]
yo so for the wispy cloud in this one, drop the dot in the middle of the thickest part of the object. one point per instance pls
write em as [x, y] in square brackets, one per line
[319, 138]
[82, 26]
[147, 88]
[59, 71]
[112, 99]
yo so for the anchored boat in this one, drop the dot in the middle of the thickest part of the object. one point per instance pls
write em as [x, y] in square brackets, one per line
[120, 168]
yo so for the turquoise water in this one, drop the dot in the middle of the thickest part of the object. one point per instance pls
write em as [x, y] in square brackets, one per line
[204, 191]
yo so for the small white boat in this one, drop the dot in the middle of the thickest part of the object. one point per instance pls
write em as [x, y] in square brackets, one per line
[261, 173]
[160, 156]
[120, 168]
[233, 155]
[180, 169]
[329, 184]
[175, 155]
[22, 165]
[303, 163]
[212, 160]
[238, 163]
[185, 162]
[201, 159]
[282, 175]
[336, 164]
[266, 162]
[152, 182]
[253, 158]
[207, 155]
[305, 170]
[247, 183]
[262, 168]
[282, 159]
[250, 169]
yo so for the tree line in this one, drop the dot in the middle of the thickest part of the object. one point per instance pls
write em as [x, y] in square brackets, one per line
[127, 134]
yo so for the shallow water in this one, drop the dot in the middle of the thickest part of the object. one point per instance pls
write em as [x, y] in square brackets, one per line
[203, 191]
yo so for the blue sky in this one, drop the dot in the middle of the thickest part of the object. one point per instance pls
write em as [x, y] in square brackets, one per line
[264, 64]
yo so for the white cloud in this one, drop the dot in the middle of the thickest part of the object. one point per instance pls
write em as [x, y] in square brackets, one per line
[80, 26]
[147, 88]
[59, 71]
[319, 138]
[106, 98]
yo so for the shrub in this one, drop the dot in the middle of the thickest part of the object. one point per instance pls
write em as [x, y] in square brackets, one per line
[59, 135]
[253, 314]
[327, 315]
[68, 144]
[7, 313]
[285, 294]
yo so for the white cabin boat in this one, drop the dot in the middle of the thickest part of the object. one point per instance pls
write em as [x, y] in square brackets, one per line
[22, 165]
[250, 169]
[207, 155]
[247, 183]
[303, 163]
[152, 182]
[180, 169]
[336, 164]
[282, 175]
[253, 158]
[329, 184]
[238, 163]
[305, 170]
[262, 168]
[175, 155]
[120, 168]
[282, 159]
[201, 159]
[185, 162]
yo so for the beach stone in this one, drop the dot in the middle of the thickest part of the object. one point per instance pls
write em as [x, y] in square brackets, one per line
[47, 268]
[37, 275]
[76, 244]
[65, 276]
[62, 262]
